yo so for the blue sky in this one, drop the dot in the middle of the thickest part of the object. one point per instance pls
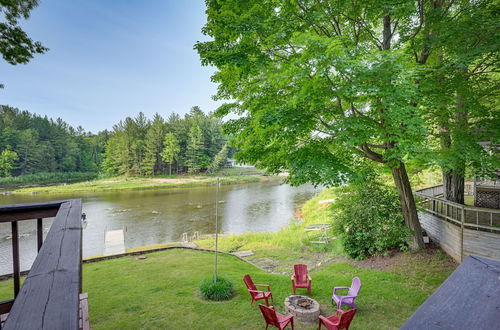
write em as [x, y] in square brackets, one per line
[109, 59]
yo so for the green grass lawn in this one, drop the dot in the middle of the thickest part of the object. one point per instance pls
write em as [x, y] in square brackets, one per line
[161, 292]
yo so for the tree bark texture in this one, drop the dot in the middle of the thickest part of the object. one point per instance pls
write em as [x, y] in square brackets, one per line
[454, 182]
[408, 206]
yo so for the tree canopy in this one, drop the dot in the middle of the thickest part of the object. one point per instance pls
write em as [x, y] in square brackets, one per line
[319, 85]
[31, 144]
[16, 46]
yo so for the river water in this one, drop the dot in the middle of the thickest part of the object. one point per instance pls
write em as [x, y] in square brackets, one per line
[163, 215]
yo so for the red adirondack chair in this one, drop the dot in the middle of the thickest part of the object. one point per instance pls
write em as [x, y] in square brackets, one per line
[301, 279]
[256, 294]
[341, 320]
[272, 317]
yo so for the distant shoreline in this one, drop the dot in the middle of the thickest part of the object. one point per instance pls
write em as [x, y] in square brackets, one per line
[137, 183]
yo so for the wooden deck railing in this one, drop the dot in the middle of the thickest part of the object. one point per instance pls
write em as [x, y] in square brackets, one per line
[460, 230]
[50, 295]
[474, 217]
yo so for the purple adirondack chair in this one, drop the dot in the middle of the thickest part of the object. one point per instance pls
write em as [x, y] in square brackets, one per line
[351, 295]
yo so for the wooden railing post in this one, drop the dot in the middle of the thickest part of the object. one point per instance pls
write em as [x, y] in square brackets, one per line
[39, 232]
[462, 234]
[15, 257]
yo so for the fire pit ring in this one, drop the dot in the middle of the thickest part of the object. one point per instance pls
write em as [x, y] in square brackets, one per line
[303, 309]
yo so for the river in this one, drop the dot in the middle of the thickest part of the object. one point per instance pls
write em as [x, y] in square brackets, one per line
[163, 215]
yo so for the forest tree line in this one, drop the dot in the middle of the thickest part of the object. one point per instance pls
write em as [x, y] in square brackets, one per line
[31, 144]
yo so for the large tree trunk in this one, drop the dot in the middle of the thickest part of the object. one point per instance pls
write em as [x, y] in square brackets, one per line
[408, 205]
[453, 182]
[454, 175]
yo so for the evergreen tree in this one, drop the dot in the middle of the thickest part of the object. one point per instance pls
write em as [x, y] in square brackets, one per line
[195, 149]
[170, 151]
[153, 163]
[219, 160]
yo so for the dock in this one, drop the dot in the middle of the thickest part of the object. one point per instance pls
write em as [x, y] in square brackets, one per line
[114, 242]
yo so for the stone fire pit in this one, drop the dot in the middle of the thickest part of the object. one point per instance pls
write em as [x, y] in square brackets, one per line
[303, 309]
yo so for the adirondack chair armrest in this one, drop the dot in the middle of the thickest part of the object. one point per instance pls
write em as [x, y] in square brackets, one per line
[255, 291]
[309, 278]
[264, 285]
[346, 297]
[340, 288]
[326, 321]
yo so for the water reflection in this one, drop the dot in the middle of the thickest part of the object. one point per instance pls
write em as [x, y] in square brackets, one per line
[158, 216]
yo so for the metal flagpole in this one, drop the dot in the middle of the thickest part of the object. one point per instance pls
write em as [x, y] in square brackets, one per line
[216, 229]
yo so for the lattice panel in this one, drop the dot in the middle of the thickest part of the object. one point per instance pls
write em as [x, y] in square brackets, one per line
[488, 198]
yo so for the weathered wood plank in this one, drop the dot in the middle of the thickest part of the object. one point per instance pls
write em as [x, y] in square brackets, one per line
[84, 312]
[15, 258]
[5, 306]
[447, 235]
[482, 244]
[28, 211]
[49, 298]
[39, 233]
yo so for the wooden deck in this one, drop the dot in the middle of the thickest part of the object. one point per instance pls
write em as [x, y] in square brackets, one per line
[84, 314]
[50, 295]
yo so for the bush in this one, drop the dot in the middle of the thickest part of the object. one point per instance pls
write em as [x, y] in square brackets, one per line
[368, 217]
[40, 179]
[222, 289]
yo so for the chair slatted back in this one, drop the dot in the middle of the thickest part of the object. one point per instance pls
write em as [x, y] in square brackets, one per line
[300, 273]
[269, 315]
[355, 287]
[249, 283]
[346, 318]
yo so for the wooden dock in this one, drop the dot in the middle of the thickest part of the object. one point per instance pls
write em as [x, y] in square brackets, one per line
[114, 242]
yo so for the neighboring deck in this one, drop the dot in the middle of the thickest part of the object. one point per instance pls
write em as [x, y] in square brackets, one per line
[460, 230]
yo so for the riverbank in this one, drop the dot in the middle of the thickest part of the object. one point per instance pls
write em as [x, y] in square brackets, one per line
[136, 183]
[277, 252]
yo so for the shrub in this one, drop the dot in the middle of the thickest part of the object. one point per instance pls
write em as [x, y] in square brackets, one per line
[222, 289]
[368, 217]
[44, 178]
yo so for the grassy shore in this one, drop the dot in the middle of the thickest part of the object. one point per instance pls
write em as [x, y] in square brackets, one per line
[132, 183]
[43, 179]
[277, 251]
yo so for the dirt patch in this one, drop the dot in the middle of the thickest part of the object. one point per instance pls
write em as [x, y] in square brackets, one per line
[174, 181]
[395, 259]
[110, 181]
[379, 263]
[285, 267]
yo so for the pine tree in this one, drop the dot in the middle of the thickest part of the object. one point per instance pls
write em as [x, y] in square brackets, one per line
[171, 150]
[153, 163]
[219, 160]
[195, 149]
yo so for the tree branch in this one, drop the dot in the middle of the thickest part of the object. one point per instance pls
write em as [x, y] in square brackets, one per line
[370, 154]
